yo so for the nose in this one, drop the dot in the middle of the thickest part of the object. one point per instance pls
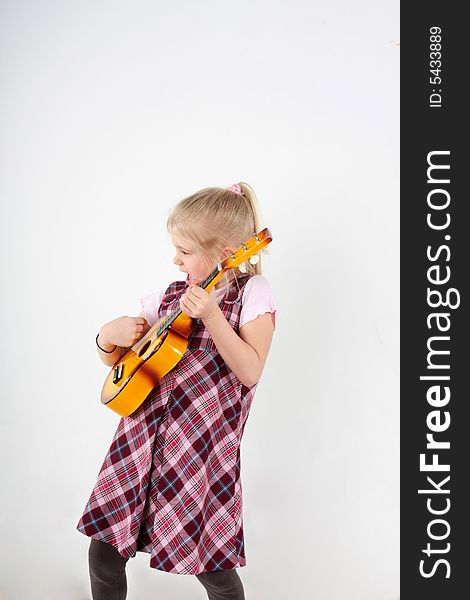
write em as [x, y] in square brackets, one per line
[177, 261]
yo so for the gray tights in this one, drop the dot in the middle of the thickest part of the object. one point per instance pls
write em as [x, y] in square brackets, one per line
[108, 576]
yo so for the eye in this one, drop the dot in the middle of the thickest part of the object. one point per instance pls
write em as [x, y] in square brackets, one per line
[183, 252]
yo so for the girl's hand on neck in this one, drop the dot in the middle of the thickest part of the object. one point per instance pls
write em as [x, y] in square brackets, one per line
[198, 304]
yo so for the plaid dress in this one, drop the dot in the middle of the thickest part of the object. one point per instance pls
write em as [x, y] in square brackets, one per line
[170, 482]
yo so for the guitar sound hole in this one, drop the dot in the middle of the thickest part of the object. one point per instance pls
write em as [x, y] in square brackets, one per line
[145, 348]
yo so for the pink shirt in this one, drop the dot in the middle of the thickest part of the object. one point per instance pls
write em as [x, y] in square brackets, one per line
[257, 299]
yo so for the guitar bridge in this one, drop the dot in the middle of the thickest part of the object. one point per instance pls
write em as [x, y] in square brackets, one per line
[117, 374]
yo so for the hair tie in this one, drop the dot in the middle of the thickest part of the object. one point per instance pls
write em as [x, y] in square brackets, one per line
[236, 188]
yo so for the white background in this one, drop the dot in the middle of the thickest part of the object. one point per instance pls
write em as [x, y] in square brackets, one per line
[110, 113]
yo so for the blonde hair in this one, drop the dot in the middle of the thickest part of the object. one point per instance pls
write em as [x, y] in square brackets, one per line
[215, 217]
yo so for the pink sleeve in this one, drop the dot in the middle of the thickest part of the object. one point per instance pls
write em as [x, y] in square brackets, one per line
[258, 299]
[150, 305]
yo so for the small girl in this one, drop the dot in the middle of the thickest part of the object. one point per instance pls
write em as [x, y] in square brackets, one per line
[170, 482]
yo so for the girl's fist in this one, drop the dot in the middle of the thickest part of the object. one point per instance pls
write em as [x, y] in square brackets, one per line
[124, 331]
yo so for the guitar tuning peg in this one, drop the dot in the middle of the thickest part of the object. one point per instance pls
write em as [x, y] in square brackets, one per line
[242, 267]
[254, 259]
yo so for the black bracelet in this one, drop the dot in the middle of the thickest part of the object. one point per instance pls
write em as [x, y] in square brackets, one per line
[102, 350]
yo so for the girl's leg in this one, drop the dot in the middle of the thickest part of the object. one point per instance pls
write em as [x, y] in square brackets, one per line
[107, 572]
[222, 585]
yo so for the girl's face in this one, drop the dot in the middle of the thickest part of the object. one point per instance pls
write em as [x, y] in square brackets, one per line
[189, 261]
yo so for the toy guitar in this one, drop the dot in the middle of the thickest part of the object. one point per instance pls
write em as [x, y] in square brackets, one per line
[137, 371]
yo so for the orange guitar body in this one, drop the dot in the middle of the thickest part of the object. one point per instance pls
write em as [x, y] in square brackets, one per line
[135, 374]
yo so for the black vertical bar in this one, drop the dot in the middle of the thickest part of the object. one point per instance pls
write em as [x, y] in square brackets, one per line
[433, 119]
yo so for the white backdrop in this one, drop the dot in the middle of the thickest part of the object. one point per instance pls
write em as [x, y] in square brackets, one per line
[110, 113]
